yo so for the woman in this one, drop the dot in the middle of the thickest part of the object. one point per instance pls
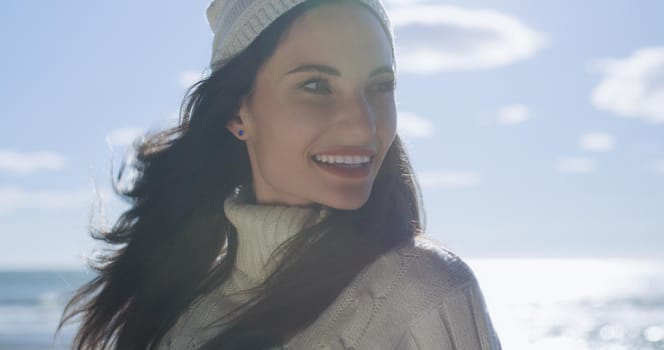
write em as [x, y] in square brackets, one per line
[283, 211]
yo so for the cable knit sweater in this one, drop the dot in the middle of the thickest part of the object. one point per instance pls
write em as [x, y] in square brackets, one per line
[419, 296]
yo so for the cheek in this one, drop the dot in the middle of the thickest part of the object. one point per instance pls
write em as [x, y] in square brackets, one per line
[387, 119]
[312, 113]
[285, 137]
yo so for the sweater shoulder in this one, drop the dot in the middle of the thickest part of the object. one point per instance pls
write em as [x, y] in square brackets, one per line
[388, 295]
[401, 286]
[422, 267]
[434, 265]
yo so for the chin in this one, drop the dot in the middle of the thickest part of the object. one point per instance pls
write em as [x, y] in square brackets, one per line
[348, 202]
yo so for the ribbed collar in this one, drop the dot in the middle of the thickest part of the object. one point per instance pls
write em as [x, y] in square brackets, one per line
[262, 228]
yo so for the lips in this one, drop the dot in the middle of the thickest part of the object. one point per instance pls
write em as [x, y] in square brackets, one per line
[344, 161]
[347, 152]
[347, 163]
[346, 171]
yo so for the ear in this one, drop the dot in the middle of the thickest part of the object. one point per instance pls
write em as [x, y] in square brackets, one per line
[239, 122]
[235, 125]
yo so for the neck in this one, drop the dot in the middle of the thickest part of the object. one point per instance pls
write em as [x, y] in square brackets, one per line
[262, 228]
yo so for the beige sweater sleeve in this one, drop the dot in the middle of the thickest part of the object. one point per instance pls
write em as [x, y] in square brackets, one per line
[461, 322]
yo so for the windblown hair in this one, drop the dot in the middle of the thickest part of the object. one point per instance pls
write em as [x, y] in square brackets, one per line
[162, 250]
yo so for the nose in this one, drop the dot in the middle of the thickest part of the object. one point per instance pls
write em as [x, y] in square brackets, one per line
[358, 117]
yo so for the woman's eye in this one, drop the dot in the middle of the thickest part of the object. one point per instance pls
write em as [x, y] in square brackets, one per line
[317, 86]
[386, 86]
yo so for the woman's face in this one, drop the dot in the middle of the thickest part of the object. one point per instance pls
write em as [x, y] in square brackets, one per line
[327, 90]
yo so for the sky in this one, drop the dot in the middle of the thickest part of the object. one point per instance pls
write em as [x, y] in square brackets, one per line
[536, 129]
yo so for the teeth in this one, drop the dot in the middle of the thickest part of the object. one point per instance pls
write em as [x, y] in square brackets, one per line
[343, 159]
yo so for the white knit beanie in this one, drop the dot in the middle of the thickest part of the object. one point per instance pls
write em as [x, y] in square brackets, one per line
[236, 23]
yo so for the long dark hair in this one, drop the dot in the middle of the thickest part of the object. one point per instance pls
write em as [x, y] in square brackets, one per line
[162, 250]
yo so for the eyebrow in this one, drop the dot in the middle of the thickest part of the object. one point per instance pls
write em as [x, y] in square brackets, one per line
[333, 71]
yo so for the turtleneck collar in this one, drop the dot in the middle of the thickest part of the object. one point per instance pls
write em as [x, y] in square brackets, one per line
[261, 228]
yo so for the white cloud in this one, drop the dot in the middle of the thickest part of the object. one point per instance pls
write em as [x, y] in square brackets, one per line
[579, 165]
[189, 78]
[448, 179]
[435, 38]
[513, 114]
[124, 136]
[597, 142]
[633, 86]
[12, 198]
[410, 125]
[30, 162]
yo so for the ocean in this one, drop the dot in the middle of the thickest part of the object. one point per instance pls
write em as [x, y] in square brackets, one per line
[539, 304]
[31, 303]
[575, 304]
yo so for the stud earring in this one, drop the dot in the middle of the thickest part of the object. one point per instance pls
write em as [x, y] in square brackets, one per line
[241, 132]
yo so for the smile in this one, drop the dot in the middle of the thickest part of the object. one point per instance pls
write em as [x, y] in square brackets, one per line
[347, 167]
[343, 161]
